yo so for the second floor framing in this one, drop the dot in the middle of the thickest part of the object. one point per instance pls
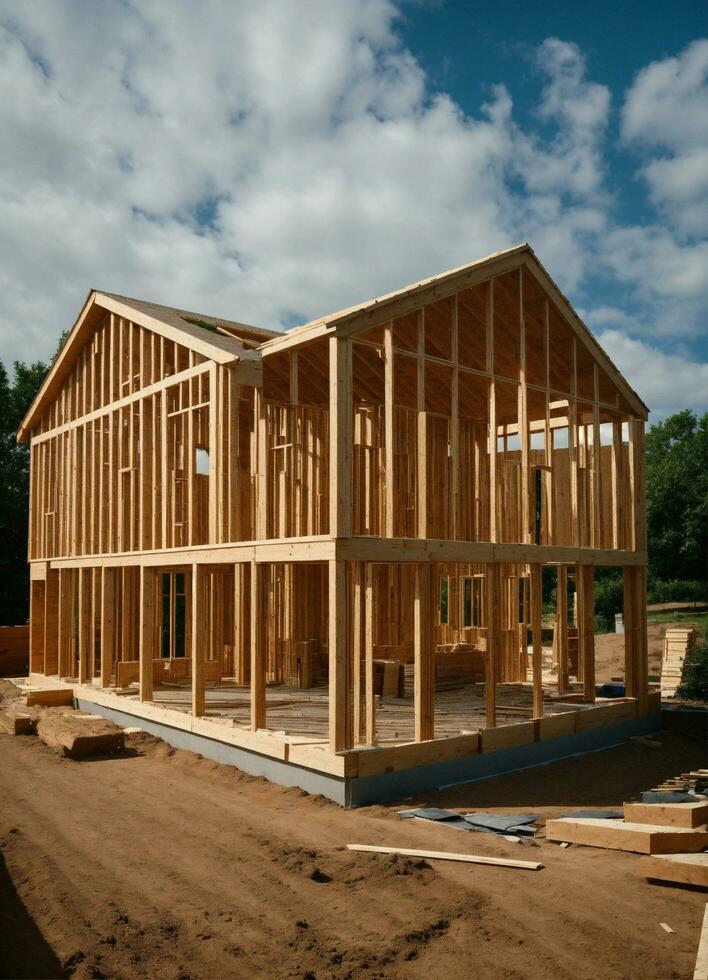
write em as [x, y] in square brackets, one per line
[471, 407]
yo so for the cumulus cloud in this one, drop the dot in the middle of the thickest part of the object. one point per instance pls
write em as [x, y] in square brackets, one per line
[666, 382]
[666, 111]
[274, 161]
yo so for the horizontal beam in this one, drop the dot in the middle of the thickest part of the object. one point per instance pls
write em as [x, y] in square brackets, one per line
[316, 548]
[323, 548]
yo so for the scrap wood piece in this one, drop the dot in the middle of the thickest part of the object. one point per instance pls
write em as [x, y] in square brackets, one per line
[701, 970]
[622, 836]
[448, 856]
[689, 814]
[681, 869]
[17, 719]
[52, 697]
[78, 735]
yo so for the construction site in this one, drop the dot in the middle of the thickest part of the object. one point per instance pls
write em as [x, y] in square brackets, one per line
[289, 628]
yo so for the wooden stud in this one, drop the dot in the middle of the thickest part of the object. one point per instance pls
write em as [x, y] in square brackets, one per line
[585, 585]
[198, 616]
[147, 631]
[258, 653]
[108, 598]
[338, 697]
[536, 599]
[424, 670]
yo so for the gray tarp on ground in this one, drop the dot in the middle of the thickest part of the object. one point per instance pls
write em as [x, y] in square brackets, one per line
[490, 823]
[502, 823]
[671, 796]
[446, 817]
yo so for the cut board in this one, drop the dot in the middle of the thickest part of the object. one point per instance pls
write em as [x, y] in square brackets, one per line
[51, 698]
[683, 869]
[78, 735]
[621, 836]
[668, 814]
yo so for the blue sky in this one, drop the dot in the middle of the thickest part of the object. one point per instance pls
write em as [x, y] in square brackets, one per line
[272, 161]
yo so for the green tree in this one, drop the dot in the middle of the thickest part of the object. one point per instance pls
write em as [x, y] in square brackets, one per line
[15, 398]
[677, 497]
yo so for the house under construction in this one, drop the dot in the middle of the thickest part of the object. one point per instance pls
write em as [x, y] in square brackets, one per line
[321, 554]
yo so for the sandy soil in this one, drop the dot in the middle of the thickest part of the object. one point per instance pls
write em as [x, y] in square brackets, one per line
[609, 653]
[158, 863]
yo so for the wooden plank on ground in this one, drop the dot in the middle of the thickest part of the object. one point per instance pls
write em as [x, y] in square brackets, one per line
[668, 814]
[51, 698]
[78, 735]
[682, 869]
[701, 969]
[448, 856]
[621, 836]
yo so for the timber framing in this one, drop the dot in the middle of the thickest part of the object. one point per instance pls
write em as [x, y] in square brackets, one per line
[363, 512]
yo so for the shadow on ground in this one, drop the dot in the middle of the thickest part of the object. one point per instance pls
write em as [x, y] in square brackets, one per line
[605, 779]
[24, 953]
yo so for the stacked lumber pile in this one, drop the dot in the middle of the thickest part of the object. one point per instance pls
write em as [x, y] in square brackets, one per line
[679, 642]
[457, 665]
[669, 827]
[51, 716]
[687, 782]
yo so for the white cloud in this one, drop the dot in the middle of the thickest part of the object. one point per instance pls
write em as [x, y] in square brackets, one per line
[667, 383]
[267, 159]
[666, 110]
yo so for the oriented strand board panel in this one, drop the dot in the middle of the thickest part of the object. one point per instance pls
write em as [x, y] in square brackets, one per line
[621, 836]
[668, 814]
[684, 869]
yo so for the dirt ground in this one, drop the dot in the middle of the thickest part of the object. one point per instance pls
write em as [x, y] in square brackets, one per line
[158, 863]
[609, 653]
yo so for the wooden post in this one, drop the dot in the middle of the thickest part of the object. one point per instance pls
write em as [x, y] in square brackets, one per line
[424, 669]
[147, 630]
[197, 639]
[338, 699]
[261, 521]
[341, 437]
[635, 634]
[216, 422]
[389, 474]
[369, 656]
[585, 591]
[108, 579]
[455, 427]
[617, 486]
[51, 622]
[358, 652]
[536, 599]
[258, 652]
[422, 436]
[522, 412]
[84, 625]
[66, 619]
[562, 628]
[493, 598]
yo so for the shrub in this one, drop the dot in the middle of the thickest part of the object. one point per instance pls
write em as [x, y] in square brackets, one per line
[694, 680]
[609, 600]
[676, 590]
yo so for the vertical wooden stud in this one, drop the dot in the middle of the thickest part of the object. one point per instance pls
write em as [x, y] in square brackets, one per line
[424, 668]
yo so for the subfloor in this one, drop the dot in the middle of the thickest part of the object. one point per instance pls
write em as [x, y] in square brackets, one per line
[305, 712]
[160, 864]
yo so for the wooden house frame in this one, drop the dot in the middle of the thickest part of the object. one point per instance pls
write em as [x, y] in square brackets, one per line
[248, 509]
